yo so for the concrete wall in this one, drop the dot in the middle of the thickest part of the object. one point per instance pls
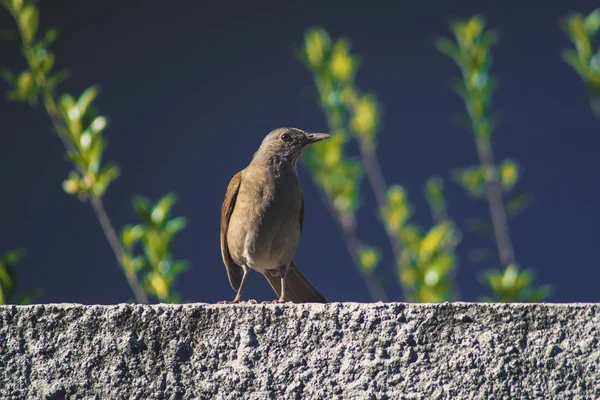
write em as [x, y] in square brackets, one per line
[309, 351]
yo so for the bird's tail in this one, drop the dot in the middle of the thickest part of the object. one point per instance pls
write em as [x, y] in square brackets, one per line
[297, 288]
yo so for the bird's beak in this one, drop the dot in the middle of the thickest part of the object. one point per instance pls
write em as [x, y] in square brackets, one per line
[316, 137]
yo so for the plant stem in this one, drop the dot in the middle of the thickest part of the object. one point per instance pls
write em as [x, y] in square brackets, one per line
[377, 183]
[347, 223]
[115, 244]
[380, 188]
[493, 191]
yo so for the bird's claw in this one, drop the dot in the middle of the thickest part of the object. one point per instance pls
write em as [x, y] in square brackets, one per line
[276, 301]
[236, 301]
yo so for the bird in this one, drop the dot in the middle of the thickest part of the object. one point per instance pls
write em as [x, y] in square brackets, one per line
[262, 217]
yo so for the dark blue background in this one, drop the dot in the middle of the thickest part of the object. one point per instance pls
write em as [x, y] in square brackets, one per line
[191, 89]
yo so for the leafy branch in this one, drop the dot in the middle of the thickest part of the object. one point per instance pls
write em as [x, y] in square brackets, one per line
[8, 279]
[352, 114]
[80, 128]
[471, 51]
[339, 176]
[582, 30]
[155, 232]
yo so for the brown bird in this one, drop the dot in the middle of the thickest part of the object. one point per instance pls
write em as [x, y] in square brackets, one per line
[262, 216]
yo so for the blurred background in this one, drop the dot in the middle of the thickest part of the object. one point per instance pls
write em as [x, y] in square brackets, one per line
[190, 89]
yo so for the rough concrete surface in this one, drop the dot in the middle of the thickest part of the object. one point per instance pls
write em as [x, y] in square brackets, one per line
[306, 351]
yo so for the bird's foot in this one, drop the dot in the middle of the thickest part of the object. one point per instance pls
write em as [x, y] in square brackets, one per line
[277, 301]
[234, 301]
[237, 301]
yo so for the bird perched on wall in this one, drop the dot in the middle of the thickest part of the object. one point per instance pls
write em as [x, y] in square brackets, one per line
[262, 216]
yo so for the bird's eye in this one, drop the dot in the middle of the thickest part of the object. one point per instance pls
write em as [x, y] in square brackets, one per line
[286, 137]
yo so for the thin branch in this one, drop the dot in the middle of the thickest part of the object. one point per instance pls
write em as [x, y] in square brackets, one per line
[493, 191]
[348, 226]
[115, 244]
[380, 188]
[378, 185]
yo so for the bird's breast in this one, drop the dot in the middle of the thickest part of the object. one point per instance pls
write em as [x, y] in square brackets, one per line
[264, 229]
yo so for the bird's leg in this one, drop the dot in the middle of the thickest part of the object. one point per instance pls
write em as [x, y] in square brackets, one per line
[238, 296]
[283, 272]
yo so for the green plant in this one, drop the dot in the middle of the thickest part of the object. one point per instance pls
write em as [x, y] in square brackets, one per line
[77, 124]
[8, 279]
[514, 285]
[471, 51]
[582, 30]
[155, 233]
[354, 115]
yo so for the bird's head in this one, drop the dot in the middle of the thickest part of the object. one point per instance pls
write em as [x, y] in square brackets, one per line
[285, 146]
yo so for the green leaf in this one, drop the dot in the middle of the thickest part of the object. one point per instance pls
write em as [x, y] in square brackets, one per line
[139, 264]
[442, 264]
[28, 297]
[131, 234]
[369, 258]
[316, 46]
[49, 37]
[98, 124]
[162, 208]
[107, 174]
[67, 105]
[53, 81]
[509, 174]
[141, 206]
[16, 4]
[76, 158]
[12, 256]
[24, 89]
[448, 48]
[86, 98]
[471, 179]
[8, 76]
[591, 23]
[490, 38]
[572, 58]
[458, 85]
[434, 192]
[46, 63]
[518, 203]
[175, 225]
[434, 240]
[94, 153]
[28, 22]
[509, 278]
[8, 275]
[541, 294]
[398, 211]
[178, 267]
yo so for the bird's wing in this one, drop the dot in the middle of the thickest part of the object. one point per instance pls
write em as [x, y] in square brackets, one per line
[301, 212]
[234, 271]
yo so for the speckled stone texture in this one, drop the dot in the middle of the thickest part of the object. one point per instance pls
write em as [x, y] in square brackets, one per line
[308, 351]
